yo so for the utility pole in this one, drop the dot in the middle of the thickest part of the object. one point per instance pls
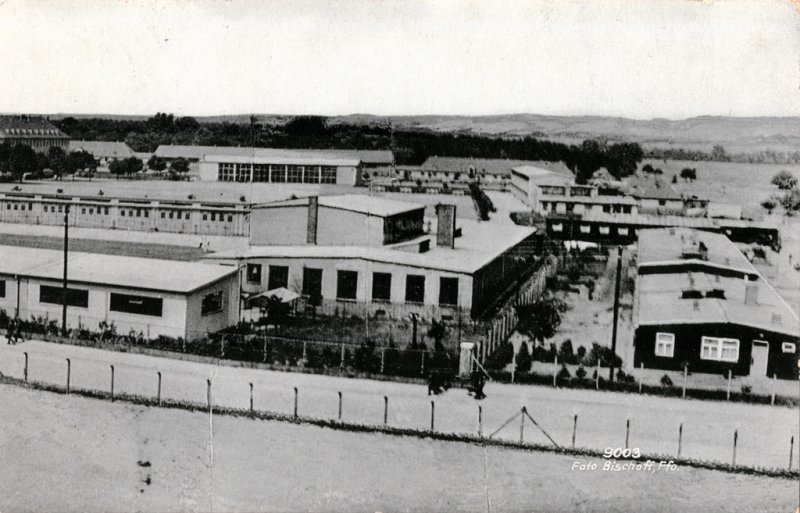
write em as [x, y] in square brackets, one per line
[616, 314]
[64, 288]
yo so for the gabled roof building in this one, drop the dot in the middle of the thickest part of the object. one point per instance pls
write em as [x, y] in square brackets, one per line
[34, 131]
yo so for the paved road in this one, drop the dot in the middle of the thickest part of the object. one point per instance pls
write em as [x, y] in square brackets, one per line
[764, 431]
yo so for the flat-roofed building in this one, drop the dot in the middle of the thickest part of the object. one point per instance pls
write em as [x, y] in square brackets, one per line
[34, 131]
[147, 296]
[357, 255]
[279, 166]
[699, 302]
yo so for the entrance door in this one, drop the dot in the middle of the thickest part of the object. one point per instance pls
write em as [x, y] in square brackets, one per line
[758, 365]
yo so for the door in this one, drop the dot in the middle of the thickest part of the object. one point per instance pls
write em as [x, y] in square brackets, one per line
[758, 360]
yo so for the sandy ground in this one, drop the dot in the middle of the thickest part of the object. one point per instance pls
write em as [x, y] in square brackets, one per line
[74, 454]
[764, 431]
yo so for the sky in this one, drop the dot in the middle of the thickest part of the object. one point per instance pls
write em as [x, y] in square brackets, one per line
[632, 58]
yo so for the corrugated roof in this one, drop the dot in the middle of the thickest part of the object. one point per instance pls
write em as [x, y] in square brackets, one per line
[489, 166]
[111, 270]
[102, 149]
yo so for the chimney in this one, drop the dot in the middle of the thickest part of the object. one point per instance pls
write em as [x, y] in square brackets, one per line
[313, 213]
[751, 292]
[445, 225]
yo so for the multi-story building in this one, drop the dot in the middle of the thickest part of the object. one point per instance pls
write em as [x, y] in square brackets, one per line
[34, 131]
[700, 303]
[655, 195]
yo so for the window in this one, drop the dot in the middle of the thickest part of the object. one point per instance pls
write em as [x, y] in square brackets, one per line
[83, 210]
[585, 228]
[415, 289]
[243, 172]
[786, 347]
[381, 286]
[139, 305]
[213, 216]
[278, 277]
[622, 231]
[53, 295]
[163, 215]
[230, 218]
[211, 304]
[720, 349]
[205, 217]
[328, 174]
[311, 174]
[277, 173]
[171, 214]
[253, 273]
[448, 291]
[226, 172]
[122, 213]
[312, 285]
[294, 174]
[665, 345]
[260, 173]
[604, 230]
[186, 216]
[138, 212]
[346, 284]
[105, 209]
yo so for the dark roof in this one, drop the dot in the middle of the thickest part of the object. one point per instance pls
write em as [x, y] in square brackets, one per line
[382, 157]
[28, 126]
[489, 166]
[651, 188]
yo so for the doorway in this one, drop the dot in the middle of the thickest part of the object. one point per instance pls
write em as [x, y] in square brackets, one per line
[759, 358]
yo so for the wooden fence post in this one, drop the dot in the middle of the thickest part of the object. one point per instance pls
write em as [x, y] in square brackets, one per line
[69, 369]
[383, 359]
[735, 441]
[522, 425]
[112, 383]
[627, 432]
[251, 399]
[555, 369]
[574, 429]
[680, 438]
[340, 406]
[728, 395]
[295, 401]
[685, 373]
[208, 393]
[791, 449]
[385, 410]
[422, 366]
[341, 361]
[480, 421]
[158, 393]
[433, 409]
[26, 366]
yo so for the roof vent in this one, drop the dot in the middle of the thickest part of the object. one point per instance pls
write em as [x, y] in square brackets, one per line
[776, 319]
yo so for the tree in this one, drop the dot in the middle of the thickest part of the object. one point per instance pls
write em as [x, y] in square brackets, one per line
[566, 353]
[541, 319]
[590, 158]
[674, 178]
[156, 163]
[58, 160]
[306, 126]
[622, 159]
[80, 161]
[768, 205]
[791, 201]
[784, 180]
[180, 166]
[523, 358]
[719, 153]
[689, 174]
[21, 161]
[134, 165]
[647, 168]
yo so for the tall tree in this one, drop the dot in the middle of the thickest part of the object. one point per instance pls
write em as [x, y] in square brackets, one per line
[541, 319]
[784, 180]
[58, 160]
[156, 163]
[22, 160]
[180, 166]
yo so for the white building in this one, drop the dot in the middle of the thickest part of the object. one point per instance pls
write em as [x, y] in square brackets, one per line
[153, 297]
[280, 166]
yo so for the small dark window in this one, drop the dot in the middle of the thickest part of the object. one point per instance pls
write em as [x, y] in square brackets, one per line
[53, 295]
[140, 305]
[381, 286]
[2, 288]
[106, 210]
[716, 293]
[83, 210]
[253, 273]
[278, 277]
[230, 218]
[186, 216]
[691, 294]
[171, 214]
[122, 213]
[163, 215]
[448, 291]
[212, 303]
[205, 217]
[346, 284]
[415, 288]
[213, 216]
[312, 285]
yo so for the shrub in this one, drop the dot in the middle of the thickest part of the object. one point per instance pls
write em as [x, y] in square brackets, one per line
[580, 373]
[666, 381]
[502, 357]
[563, 373]
[747, 389]
[580, 353]
[523, 358]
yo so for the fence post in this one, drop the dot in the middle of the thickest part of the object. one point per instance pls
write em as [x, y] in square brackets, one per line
[772, 400]
[480, 421]
[728, 395]
[26, 366]
[680, 438]
[112, 383]
[422, 366]
[385, 410]
[264, 353]
[735, 441]
[341, 361]
[791, 449]
[158, 396]
[597, 376]
[685, 372]
[295, 401]
[641, 376]
[208, 393]
[627, 432]
[69, 365]
[574, 429]
[555, 369]
[522, 424]
[340, 406]
[433, 409]
[251, 398]
[383, 358]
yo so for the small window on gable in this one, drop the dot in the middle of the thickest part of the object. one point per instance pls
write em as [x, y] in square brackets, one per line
[788, 347]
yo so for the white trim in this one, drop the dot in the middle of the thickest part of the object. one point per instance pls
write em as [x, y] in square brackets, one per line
[666, 341]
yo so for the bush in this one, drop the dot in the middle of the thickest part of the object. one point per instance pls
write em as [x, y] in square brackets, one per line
[580, 373]
[666, 381]
[747, 389]
[563, 373]
[502, 357]
[523, 358]
[566, 354]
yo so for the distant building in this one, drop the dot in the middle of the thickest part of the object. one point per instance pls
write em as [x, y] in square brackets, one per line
[281, 167]
[655, 195]
[487, 171]
[699, 302]
[34, 131]
[105, 152]
[148, 296]
[358, 255]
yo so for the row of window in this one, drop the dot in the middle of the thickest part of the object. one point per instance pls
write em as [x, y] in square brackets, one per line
[230, 172]
[711, 348]
[138, 212]
[347, 284]
[585, 228]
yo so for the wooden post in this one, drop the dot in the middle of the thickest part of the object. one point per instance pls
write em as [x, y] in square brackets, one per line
[385, 410]
[433, 409]
[641, 376]
[251, 399]
[574, 429]
[735, 441]
[383, 358]
[728, 395]
[555, 369]
[522, 425]
[597, 376]
[627, 432]
[340, 406]
[685, 372]
[341, 361]
[422, 366]
[112, 383]
[680, 439]
[264, 353]
[69, 365]
[772, 400]
[158, 394]
[791, 449]
[295, 401]
[305, 353]
[26, 367]
[480, 421]
[208, 393]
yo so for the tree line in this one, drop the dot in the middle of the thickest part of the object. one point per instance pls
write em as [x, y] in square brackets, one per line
[20, 160]
[410, 147]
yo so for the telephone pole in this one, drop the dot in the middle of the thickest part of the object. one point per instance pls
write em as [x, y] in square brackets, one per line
[616, 314]
[64, 284]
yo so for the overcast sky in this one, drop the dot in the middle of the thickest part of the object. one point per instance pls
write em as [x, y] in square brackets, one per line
[641, 59]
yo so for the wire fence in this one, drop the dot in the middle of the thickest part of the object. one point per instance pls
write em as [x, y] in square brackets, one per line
[711, 439]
